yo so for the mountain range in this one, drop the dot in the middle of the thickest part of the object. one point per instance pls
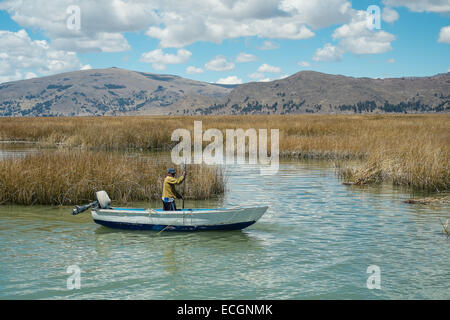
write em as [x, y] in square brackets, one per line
[115, 91]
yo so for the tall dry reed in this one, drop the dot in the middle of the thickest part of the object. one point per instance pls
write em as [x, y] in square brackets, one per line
[72, 177]
[410, 150]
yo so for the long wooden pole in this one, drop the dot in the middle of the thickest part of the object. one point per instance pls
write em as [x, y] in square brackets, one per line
[184, 185]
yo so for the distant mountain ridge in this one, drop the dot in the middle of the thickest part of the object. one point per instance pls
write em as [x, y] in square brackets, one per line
[116, 91]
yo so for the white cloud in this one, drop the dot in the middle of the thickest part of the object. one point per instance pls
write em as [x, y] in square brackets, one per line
[98, 42]
[219, 63]
[245, 57]
[159, 59]
[175, 23]
[21, 57]
[328, 53]
[391, 60]
[230, 80]
[303, 64]
[216, 21]
[389, 15]
[318, 14]
[30, 75]
[287, 30]
[269, 45]
[193, 70]
[268, 68]
[86, 67]
[444, 35]
[261, 77]
[101, 22]
[256, 75]
[356, 37]
[180, 23]
[440, 6]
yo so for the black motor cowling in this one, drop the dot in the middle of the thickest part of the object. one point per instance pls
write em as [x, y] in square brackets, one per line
[80, 209]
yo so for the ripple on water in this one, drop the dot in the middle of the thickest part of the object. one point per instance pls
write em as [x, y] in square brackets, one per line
[315, 242]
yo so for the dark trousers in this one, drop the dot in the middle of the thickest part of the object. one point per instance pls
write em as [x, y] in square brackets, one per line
[169, 206]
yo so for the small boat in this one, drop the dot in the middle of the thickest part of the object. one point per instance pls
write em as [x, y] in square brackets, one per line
[235, 218]
[180, 220]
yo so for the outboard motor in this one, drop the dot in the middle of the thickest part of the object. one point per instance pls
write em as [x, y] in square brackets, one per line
[80, 209]
[103, 201]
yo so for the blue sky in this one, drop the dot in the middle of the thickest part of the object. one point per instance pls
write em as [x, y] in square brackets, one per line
[202, 40]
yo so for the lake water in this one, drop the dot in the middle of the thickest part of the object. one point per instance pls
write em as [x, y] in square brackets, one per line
[315, 242]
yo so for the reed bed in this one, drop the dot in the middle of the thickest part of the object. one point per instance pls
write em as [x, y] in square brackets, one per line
[409, 150]
[71, 177]
[420, 166]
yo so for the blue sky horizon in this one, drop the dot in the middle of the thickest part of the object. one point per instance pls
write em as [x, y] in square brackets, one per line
[228, 41]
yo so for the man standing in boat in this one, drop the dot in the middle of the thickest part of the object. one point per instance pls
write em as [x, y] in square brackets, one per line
[169, 192]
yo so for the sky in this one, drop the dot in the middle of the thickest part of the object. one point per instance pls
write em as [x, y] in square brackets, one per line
[225, 41]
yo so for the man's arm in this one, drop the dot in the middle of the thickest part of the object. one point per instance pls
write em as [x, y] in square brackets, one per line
[172, 180]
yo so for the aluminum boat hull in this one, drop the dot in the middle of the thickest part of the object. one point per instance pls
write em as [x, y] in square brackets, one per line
[180, 220]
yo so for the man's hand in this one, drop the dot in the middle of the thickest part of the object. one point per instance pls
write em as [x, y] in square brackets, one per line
[184, 173]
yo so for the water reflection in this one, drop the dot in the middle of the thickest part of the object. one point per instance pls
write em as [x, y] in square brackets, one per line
[216, 241]
[16, 150]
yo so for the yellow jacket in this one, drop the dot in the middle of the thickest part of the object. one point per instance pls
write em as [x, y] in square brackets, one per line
[169, 187]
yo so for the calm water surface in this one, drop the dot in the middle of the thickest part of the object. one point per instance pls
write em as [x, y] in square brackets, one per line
[315, 242]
